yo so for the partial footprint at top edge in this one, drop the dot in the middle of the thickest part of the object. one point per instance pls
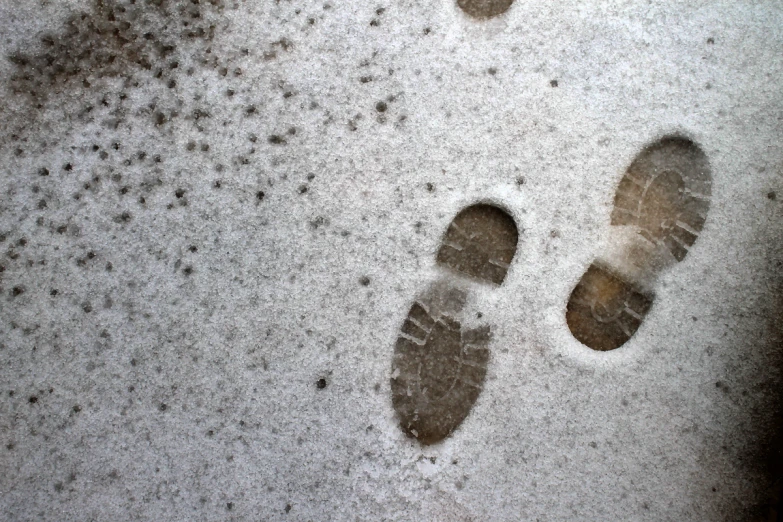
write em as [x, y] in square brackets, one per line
[484, 8]
[439, 366]
[665, 195]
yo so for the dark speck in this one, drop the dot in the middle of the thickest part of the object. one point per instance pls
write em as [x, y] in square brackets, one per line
[162, 407]
[321, 384]
[553, 83]
[710, 40]
[122, 218]
[318, 222]
[276, 139]
[381, 106]
[492, 71]
[33, 399]
[260, 195]
[43, 172]
[179, 193]
[17, 290]
[364, 281]
[772, 196]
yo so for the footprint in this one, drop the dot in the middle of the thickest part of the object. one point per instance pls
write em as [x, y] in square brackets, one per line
[484, 8]
[659, 210]
[439, 365]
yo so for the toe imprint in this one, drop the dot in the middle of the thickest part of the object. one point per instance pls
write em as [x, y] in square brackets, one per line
[666, 194]
[438, 377]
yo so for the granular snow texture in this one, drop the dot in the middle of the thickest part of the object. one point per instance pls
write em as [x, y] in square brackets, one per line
[216, 215]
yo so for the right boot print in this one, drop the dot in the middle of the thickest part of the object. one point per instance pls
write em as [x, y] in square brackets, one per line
[659, 210]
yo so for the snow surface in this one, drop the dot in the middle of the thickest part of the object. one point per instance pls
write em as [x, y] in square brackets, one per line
[175, 374]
